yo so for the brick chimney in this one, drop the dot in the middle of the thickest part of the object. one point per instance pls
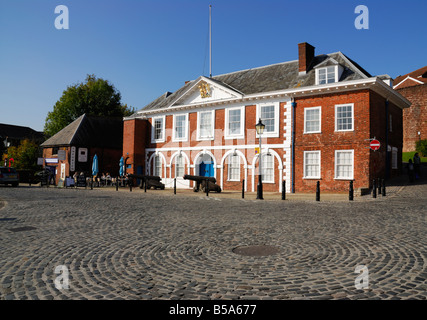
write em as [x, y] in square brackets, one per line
[305, 56]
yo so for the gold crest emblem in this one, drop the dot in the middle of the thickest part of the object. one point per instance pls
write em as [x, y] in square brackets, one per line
[205, 90]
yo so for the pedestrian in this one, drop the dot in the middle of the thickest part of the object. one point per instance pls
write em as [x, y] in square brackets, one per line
[411, 171]
[417, 163]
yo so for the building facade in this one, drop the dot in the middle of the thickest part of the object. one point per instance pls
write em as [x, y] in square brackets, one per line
[320, 113]
[72, 149]
[413, 86]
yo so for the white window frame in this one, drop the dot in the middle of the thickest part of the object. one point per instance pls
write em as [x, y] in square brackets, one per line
[336, 164]
[319, 164]
[230, 156]
[185, 137]
[241, 134]
[394, 154]
[326, 73]
[275, 132]
[212, 134]
[336, 116]
[157, 156]
[179, 164]
[263, 162]
[153, 131]
[305, 120]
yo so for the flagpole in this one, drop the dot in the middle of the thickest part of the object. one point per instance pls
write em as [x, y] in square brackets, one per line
[210, 41]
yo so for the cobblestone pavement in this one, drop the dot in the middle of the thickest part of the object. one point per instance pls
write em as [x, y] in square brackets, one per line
[136, 245]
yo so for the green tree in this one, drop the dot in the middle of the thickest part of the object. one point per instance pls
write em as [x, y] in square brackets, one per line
[95, 96]
[25, 155]
[421, 147]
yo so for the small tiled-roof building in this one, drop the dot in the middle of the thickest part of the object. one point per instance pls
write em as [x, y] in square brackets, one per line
[320, 113]
[80, 141]
[413, 86]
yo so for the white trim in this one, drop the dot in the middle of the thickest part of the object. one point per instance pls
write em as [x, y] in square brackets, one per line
[304, 165]
[320, 119]
[153, 129]
[197, 164]
[352, 165]
[245, 165]
[227, 134]
[150, 165]
[352, 117]
[408, 78]
[212, 137]
[373, 83]
[280, 167]
[276, 105]
[186, 129]
[221, 147]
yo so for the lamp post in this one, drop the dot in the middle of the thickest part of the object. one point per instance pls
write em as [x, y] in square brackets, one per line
[259, 129]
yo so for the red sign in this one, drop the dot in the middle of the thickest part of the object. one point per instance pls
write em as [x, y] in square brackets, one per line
[375, 145]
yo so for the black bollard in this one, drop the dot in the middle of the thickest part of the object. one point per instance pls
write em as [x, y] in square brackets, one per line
[117, 184]
[243, 188]
[174, 186]
[383, 182]
[284, 190]
[130, 185]
[207, 188]
[351, 192]
[379, 186]
[318, 191]
[374, 189]
[145, 184]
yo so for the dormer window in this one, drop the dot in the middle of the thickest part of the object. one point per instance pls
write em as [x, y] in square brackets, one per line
[329, 71]
[326, 75]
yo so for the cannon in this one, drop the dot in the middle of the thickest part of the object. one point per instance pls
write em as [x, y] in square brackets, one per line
[151, 181]
[201, 183]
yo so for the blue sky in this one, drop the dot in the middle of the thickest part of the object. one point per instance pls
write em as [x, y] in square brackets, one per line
[147, 47]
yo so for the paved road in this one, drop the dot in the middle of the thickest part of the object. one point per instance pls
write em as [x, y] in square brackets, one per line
[136, 245]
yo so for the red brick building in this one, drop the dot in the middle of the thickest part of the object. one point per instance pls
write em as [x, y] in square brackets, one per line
[320, 112]
[413, 86]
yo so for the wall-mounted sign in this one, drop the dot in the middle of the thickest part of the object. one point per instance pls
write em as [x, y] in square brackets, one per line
[51, 160]
[73, 159]
[82, 155]
[61, 154]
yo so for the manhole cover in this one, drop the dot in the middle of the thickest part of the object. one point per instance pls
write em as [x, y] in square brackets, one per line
[256, 251]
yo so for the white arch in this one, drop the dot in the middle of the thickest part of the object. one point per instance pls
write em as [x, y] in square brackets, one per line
[280, 167]
[163, 162]
[201, 153]
[187, 159]
[245, 166]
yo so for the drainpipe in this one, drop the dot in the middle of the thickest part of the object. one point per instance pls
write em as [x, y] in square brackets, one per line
[293, 103]
[387, 156]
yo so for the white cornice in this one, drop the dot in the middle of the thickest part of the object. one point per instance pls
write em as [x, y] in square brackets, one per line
[374, 83]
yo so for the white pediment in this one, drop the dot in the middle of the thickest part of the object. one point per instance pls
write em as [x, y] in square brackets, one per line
[205, 90]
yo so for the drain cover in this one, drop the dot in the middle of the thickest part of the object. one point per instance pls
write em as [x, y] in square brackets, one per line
[256, 251]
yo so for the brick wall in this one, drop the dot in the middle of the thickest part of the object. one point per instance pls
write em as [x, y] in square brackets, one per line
[414, 117]
[135, 138]
[370, 116]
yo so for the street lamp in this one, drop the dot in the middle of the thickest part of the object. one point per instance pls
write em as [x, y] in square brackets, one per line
[259, 129]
